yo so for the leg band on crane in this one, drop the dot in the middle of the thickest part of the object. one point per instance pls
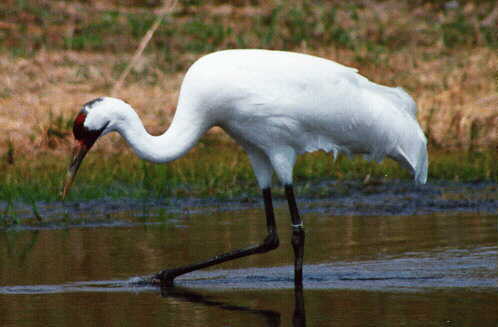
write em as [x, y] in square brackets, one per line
[298, 226]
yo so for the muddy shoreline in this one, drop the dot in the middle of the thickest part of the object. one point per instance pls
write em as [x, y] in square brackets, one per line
[334, 198]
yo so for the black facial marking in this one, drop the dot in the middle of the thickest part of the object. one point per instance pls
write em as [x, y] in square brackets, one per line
[90, 104]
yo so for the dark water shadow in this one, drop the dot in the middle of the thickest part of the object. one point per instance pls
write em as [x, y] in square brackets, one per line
[183, 293]
[272, 318]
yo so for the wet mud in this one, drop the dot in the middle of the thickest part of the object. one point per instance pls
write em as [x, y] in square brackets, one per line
[333, 198]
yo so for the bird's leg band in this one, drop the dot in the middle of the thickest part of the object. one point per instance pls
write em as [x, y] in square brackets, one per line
[297, 226]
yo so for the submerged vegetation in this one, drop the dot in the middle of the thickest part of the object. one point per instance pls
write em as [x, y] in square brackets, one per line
[57, 55]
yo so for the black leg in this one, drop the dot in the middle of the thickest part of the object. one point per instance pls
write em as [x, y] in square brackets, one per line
[271, 242]
[297, 237]
[299, 316]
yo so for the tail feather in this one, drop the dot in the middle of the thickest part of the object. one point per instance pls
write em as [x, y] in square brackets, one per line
[411, 153]
[422, 167]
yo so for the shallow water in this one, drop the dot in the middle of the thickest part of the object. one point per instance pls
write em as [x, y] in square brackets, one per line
[425, 270]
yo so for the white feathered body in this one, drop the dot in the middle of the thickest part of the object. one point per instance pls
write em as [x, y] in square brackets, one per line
[275, 103]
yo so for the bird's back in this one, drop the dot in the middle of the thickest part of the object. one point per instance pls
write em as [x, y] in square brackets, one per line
[274, 98]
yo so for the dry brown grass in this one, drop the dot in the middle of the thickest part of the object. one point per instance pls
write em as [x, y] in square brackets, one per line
[456, 89]
[53, 85]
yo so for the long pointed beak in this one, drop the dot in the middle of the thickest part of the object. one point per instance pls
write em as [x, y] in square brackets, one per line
[79, 152]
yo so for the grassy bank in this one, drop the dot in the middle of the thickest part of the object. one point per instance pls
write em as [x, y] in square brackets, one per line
[213, 168]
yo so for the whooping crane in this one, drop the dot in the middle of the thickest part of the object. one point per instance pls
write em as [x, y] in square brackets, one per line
[276, 105]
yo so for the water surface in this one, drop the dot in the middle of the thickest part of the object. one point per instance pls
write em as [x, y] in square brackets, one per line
[424, 270]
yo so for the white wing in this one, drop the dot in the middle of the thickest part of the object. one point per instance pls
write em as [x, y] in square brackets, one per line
[278, 100]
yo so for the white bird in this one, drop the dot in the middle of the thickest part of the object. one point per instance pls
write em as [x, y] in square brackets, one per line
[276, 105]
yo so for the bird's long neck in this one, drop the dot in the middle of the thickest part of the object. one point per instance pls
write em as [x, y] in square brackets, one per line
[180, 137]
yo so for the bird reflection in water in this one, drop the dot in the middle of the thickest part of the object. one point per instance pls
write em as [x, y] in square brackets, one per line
[271, 317]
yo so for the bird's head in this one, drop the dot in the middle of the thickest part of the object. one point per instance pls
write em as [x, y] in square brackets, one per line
[94, 120]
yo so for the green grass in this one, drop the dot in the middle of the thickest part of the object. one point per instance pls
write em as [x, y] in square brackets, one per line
[213, 169]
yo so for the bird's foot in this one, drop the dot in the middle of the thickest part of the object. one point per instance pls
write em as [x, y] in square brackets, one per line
[164, 278]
